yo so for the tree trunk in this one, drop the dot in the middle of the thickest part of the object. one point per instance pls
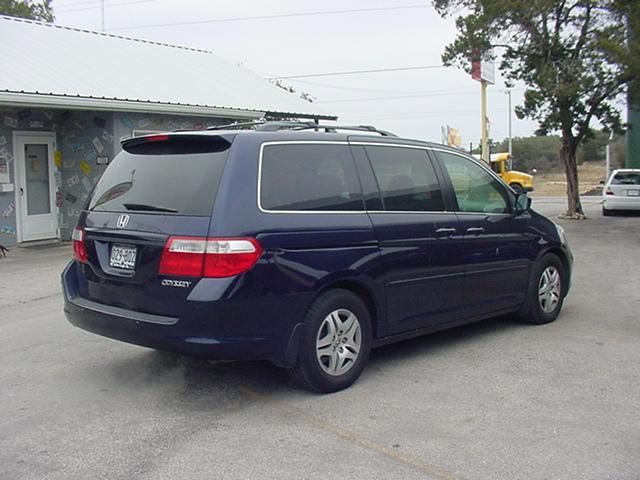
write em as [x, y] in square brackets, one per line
[568, 156]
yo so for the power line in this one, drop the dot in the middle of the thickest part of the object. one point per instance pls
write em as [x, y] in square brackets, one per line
[267, 17]
[65, 5]
[434, 93]
[107, 5]
[357, 72]
[433, 113]
[358, 89]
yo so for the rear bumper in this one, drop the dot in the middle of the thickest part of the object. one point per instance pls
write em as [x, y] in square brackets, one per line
[611, 202]
[192, 336]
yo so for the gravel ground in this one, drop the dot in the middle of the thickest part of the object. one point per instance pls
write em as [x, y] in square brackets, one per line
[493, 400]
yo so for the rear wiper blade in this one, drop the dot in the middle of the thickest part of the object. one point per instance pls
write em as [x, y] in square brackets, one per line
[148, 208]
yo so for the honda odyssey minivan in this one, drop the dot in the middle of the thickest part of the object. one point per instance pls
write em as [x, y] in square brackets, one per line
[306, 245]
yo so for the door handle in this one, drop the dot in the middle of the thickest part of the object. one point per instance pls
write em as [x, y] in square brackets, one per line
[442, 232]
[21, 192]
[475, 230]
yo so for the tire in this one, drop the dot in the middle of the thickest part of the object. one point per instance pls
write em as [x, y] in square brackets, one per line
[322, 365]
[517, 187]
[544, 306]
[606, 213]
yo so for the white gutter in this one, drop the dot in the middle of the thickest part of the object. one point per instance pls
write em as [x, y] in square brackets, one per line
[88, 103]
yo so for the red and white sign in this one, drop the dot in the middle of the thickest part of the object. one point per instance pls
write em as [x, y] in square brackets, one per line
[483, 70]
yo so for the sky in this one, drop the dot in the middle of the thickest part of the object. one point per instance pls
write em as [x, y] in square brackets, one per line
[401, 33]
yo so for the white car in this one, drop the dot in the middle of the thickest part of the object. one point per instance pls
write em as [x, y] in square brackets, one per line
[622, 191]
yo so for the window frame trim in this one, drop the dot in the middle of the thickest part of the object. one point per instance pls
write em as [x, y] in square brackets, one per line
[427, 148]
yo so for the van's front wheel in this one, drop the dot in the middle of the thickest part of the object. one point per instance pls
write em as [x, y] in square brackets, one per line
[547, 292]
[335, 342]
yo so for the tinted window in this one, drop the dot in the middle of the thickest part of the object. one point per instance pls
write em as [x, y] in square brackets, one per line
[171, 184]
[309, 177]
[626, 178]
[476, 189]
[406, 179]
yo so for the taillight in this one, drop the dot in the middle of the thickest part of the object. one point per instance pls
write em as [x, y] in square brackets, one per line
[79, 249]
[208, 257]
[610, 192]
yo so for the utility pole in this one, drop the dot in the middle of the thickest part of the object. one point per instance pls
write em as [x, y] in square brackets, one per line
[483, 108]
[482, 70]
[102, 10]
[510, 140]
[608, 157]
[633, 111]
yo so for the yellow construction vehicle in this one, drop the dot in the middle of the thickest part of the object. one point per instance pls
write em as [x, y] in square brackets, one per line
[521, 182]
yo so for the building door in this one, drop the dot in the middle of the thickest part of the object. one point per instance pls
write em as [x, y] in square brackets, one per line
[37, 213]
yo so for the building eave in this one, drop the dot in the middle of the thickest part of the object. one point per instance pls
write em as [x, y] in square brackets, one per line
[35, 100]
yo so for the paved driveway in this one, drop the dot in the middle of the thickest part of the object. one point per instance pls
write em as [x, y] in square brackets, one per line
[494, 400]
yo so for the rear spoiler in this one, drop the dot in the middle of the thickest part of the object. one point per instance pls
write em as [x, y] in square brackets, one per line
[176, 144]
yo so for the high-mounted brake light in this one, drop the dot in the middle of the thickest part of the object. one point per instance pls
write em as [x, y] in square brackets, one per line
[208, 257]
[79, 248]
[156, 138]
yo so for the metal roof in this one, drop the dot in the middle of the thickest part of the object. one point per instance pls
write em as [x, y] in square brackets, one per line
[55, 66]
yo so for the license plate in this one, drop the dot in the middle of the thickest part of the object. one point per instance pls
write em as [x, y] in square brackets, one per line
[633, 193]
[123, 256]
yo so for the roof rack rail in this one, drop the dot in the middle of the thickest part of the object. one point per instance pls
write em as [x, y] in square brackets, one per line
[274, 126]
[238, 125]
[285, 125]
[333, 128]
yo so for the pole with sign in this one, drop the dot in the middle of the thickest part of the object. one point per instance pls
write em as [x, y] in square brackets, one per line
[483, 70]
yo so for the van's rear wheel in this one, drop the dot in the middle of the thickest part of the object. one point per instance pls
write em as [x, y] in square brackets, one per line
[335, 342]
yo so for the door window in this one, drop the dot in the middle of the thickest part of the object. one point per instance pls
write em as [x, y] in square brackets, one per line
[309, 177]
[38, 190]
[406, 178]
[476, 190]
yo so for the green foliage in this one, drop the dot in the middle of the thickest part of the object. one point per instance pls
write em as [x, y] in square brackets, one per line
[572, 55]
[594, 149]
[28, 9]
[539, 152]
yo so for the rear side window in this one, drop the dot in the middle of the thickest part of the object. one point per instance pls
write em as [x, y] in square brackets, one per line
[178, 184]
[406, 179]
[626, 178]
[312, 177]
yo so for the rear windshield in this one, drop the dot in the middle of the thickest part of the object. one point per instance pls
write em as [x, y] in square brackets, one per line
[626, 178]
[169, 184]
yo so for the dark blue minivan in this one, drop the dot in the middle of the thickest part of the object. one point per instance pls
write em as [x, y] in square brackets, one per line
[305, 245]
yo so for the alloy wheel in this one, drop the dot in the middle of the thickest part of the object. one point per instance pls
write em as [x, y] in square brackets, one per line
[549, 289]
[338, 342]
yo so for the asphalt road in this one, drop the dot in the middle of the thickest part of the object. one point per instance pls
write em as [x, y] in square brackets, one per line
[494, 400]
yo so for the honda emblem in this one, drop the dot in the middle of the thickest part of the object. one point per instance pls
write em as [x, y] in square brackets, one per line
[123, 220]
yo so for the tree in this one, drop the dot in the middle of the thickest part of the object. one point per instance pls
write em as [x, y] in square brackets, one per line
[572, 55]
[28, 9]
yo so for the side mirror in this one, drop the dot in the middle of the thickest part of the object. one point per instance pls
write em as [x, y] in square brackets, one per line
[523, 203]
